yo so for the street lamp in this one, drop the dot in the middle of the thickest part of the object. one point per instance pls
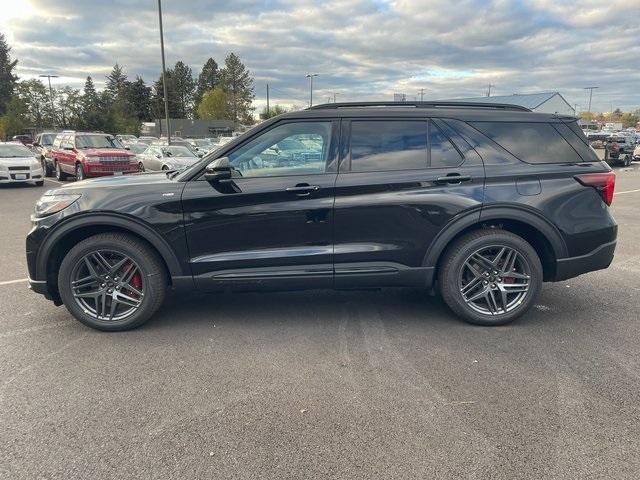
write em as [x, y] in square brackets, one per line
[53, 111]
[310, 77]
[164, 77]
[590, 95]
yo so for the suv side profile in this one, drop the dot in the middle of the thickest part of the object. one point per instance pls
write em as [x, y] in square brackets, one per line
[480, 202]
[87, 154]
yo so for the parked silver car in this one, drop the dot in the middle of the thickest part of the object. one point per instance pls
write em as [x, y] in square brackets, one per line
[18, 164]
[166, 157]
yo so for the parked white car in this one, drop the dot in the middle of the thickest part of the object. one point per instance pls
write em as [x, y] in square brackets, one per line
[18, 164]
[636, 153]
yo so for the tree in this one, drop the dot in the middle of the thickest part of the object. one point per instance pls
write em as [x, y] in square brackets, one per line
[90, 97]
[207, 80]
[273, 112]
[116, 81]
[630, 120]
[138, 97]
[237, 82]
[185, 88]
[157, 102]
[7, 78]
[70, 107]
[37, 103]
[15, 120]
[213, 105]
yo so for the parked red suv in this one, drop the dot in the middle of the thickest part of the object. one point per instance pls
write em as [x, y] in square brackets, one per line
[85, 155]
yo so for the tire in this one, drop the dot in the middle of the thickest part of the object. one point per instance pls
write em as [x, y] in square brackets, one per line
[141, 166]
[627, 161]
[39, 183]
[455, 275]
[79, 172]
[46, 168]
[113, 247]
[165, 168]
[60, 175]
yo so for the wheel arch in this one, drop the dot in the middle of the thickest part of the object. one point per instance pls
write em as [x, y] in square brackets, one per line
[59, 241]
[543, 236]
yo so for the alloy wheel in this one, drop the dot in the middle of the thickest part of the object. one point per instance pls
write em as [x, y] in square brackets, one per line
[107, 285]
[494, 280]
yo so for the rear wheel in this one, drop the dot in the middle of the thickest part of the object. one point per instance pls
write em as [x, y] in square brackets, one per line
[112, 282]
[490, 277]
[60, 175]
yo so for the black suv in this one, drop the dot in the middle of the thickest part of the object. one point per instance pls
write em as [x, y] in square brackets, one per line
[480, 202]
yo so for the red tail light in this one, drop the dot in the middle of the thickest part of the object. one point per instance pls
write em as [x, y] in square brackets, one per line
[604, 183]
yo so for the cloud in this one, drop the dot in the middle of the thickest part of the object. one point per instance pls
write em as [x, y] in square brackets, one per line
[364, 50]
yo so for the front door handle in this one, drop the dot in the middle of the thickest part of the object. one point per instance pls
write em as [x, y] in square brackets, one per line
[453, 178]
[303, 189]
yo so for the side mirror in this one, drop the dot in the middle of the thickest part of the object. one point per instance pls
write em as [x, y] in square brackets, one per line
[127, 147]
[201, 154]
[158, 155]
[35, 144]
[217, 170]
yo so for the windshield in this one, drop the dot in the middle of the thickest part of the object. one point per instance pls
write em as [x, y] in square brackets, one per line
[97, 141]
[138, 147]
[13, 151]
[177, 151]
[47, 139]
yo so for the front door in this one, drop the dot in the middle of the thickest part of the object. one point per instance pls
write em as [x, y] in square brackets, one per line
[272, 226]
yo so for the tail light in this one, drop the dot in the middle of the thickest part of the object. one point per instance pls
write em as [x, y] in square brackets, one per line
[604, 183]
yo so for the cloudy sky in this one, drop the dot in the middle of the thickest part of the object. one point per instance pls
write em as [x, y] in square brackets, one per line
[362, 50]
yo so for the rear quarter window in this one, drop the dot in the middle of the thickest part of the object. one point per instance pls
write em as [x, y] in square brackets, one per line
[530, 142]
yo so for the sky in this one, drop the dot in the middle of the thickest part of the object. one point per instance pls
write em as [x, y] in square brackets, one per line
[361, 50]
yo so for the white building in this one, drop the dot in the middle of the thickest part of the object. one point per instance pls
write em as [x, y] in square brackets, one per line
[548, 102]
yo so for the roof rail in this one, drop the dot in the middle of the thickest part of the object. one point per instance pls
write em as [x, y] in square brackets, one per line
[436, 104]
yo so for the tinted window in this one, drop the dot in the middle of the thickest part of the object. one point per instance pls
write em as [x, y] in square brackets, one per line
[578, 143]
[530, 142]
[443, 153]
[392, 145]
[289, 149]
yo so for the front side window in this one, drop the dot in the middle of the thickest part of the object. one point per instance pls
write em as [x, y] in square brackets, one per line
[300, 148]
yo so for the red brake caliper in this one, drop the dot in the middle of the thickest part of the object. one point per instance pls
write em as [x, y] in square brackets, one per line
[136, 280]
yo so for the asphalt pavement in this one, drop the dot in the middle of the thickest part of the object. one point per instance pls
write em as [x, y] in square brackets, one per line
[328, 385]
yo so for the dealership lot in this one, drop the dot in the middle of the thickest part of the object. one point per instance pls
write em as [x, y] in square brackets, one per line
[325, 384]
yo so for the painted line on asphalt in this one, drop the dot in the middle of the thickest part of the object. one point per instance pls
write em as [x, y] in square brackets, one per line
[54, 181]
[628, 191]
[10, 282]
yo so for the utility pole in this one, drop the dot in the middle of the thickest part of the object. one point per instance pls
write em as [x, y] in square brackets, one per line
[422, 94]
[164, 77]
[53, 110]
[590, 96]
[267, 100]
[335, 94]
[489, 90]
[310, 77]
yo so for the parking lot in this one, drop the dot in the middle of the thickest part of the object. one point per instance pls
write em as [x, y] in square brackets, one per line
[323, 384]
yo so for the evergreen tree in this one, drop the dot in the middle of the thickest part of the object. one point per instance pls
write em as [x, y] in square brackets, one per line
[237, 82]
[90, 98]
[157, 102]
[138, 97]
[207, 80]
[185, 88]
[116, 82]
[7, 78]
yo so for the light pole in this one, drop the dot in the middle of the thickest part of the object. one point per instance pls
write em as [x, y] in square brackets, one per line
[164, 77]
[53, 111]
[489, 89]
[590, 95]
[310, 77]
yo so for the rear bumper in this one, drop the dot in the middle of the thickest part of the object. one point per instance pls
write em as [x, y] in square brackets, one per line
[597, 259]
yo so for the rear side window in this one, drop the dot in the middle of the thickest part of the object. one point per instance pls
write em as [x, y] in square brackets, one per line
[443, 153]
[579, 143]
[530, 142]
[392, 145]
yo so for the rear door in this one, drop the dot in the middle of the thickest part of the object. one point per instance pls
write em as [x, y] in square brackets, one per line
[400, 182]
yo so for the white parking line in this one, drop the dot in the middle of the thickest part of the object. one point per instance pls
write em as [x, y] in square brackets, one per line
[628, 191]
[10, 282]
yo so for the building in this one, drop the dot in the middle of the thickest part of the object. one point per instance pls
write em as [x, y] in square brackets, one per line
[548, 102]
[189, 128]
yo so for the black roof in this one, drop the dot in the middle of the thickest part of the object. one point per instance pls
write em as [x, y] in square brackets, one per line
[468, 111]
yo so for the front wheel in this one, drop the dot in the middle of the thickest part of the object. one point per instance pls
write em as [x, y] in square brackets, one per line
[112, 281]
[79, 172]
[60, 175]
[46, 168]
[490, 277]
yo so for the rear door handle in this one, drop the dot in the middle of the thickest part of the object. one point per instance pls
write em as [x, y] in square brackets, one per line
[454, 178]
[303, 189]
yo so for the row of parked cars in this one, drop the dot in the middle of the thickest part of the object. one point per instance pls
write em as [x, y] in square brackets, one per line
[93, 154]
[619, 147]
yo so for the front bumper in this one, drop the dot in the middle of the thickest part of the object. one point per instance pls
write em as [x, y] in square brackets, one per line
[598, 259]
[101, 170]
[15, 176]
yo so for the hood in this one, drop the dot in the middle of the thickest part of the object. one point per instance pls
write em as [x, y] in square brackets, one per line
[117, 181]
[181, 161]
[106, 152]
[18, 161]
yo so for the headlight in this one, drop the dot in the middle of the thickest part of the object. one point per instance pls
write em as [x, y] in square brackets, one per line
[50, 204]
[92, 159]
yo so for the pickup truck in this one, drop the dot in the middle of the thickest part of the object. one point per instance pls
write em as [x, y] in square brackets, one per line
[619, 150]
